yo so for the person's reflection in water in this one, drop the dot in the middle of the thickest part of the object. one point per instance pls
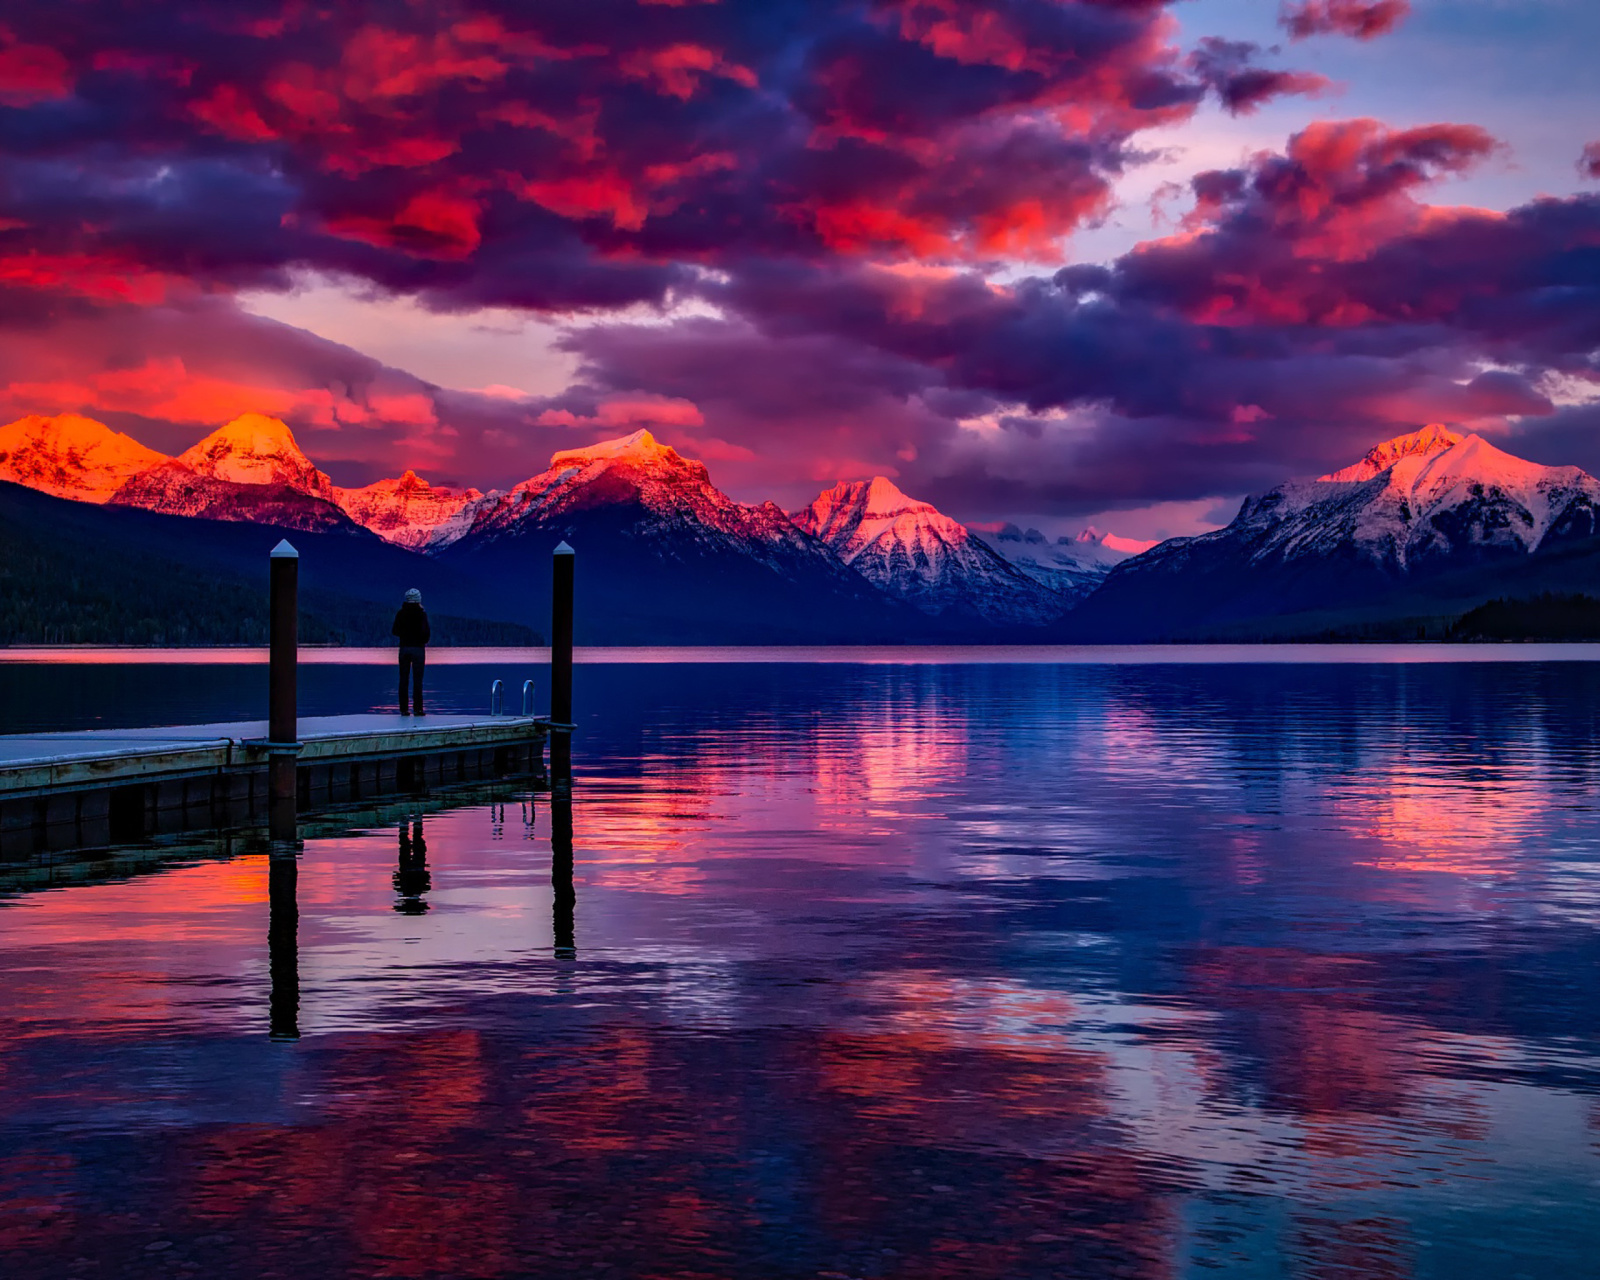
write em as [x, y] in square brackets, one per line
[566, 897]
[283, 947]
[411, 879]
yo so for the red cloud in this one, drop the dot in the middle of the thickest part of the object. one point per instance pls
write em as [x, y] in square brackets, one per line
[1363, 19]
[1342, 188]
[101, 277]
[965, 33]
[436, 224]
[227, 110]
[167, 390]
[622, 412]
[679, 69]
[571, 155]
[31, 73]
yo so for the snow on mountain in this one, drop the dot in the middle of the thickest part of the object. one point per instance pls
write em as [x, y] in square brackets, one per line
[1417, 506]
[1418, 444]
[256, 449]
[249, 470]
[1071, 567]
[410, 512]
[68, 456]
[1431, 495]
[917, 554]
[674, 498]
[666, 558]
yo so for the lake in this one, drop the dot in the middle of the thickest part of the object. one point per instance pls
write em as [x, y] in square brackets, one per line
[1256, 963]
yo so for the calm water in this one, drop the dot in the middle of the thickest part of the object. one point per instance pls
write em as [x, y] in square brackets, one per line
[913, 971]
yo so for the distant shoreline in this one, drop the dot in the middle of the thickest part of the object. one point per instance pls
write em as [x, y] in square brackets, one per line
[1313, 653]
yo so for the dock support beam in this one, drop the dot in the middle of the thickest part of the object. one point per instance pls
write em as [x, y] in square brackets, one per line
[283, 747]
[562, 567]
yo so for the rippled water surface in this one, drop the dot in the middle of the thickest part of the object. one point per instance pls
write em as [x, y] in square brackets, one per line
[868, 971]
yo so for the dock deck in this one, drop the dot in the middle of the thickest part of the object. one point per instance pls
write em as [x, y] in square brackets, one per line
[103, 786]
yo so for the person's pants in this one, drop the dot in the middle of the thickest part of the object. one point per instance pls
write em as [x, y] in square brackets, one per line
[413, 658]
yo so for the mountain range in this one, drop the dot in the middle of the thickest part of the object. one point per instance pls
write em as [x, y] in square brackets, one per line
[1423, 528]
[668, 558]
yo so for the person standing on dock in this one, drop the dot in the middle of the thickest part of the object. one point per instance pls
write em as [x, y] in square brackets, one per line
[411, 629]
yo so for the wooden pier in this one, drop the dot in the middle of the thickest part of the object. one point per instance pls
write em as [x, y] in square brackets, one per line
[100, 787]
[112, 786]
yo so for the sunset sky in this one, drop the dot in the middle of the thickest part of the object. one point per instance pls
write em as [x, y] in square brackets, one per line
[1057, 261]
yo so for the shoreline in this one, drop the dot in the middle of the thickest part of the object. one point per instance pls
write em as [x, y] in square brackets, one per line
[1231, 653]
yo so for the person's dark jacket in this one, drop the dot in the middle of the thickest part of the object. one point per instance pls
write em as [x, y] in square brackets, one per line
[411, 626]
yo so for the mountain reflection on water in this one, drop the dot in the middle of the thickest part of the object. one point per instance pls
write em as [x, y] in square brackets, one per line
[924, 971]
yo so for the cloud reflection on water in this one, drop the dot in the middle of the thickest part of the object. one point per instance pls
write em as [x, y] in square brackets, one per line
[1005, 971]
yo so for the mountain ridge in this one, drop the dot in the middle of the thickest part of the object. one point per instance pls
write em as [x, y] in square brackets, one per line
[70, 456]
[921, 556]
[1416, 509]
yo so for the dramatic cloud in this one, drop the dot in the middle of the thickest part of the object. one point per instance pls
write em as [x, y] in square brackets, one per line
[808, 239]
[1589, 161]
[567, 155]
[1312, 305]
[170, 374]
[1363, 19]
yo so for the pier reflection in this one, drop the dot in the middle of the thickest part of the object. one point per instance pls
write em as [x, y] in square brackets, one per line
[283, 946]
[411, 878]
[565, 897]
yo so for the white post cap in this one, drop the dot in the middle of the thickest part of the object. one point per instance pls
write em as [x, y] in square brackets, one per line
[565, 550]
[284, 551]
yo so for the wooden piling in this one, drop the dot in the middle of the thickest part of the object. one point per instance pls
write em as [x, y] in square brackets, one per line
[562, 566]
[283, 749]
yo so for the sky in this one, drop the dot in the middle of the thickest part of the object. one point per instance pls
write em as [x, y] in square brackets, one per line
[1063, 262]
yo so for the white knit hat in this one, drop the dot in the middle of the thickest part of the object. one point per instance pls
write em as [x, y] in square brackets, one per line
[413, 596]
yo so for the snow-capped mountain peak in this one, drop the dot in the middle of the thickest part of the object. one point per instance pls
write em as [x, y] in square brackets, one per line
[917, 553]
[70, 456]
[885, 501]
[251, 469]
[653, 489]
[1423, 507]
[1070, 566]
[639, 451]
[256, 449]
[1416, 444]
[410, 512]
[1421, 496]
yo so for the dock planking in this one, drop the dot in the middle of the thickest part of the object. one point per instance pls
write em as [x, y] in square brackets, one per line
[102, 786]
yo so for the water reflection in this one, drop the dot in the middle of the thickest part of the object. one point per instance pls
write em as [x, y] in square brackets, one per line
[411, 878]
[900, 972]
[283, 946]
[564, 896]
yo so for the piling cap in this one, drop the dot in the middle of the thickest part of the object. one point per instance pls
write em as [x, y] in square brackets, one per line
[565, 550]
[284, 551]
